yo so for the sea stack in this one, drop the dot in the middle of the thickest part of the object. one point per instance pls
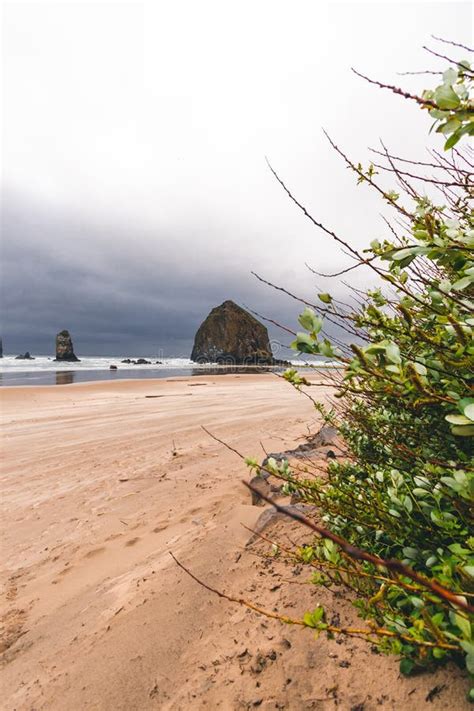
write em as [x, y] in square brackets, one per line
[232, 335]
[1, 348]
[64, 347]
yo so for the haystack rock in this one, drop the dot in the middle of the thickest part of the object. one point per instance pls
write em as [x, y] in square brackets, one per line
[64, 348]
[232, 335]
[1, 348]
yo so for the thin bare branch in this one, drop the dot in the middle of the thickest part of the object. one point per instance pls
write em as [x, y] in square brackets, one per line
[447, 59]
[425, 103]
[393, 565]
[453, 44]
[351, 631]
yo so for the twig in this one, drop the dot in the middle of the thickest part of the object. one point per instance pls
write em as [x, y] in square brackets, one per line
[352, 631]
[453, 44]
[396, 90]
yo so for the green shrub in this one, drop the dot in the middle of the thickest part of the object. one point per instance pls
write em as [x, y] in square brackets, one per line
[405, 406]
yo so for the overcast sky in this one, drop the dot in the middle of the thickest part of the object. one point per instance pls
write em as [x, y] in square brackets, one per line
[135, 193]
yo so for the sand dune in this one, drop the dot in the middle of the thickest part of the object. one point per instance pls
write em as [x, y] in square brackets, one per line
[99, 482]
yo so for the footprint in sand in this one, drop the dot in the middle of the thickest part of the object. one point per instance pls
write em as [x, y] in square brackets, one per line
[61, 574]
[160, 527]
[11, 628]
[132, 542]
[64, 571]
[94, 552]
[12, 589]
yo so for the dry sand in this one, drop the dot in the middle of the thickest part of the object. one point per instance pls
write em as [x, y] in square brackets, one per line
[99, 482]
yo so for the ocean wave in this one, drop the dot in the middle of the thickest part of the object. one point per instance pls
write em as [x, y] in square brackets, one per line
[10, 364]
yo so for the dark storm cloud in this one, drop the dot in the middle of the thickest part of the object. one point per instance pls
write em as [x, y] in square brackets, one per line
[60, 271]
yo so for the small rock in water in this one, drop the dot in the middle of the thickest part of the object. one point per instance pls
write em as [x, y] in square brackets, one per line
[26, 356]
[139, 361]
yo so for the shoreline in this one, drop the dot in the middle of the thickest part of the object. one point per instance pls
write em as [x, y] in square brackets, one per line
[141, 376]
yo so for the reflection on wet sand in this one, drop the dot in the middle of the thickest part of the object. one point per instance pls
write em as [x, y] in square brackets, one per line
[65, 377]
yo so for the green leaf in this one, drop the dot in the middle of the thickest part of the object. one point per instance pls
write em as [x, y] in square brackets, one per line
[453, 139]
[408, 504]
[325, 298]
[318, 614]
[464, 402]
[308, 619]
[326, 349]
[450, 76]
[462, 623]
[449, 127]
[313, 619]
[401, 254]
[457, 419]
[437, 114]
[406, 666]
[463, 430]
[252, 463]
[462, 283]
[446, 98]
[310, 321]
[469, 411]
[304, 343]
[392, 353]
[470, 664]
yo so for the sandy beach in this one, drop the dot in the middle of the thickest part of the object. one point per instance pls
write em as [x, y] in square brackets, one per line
[100, 481]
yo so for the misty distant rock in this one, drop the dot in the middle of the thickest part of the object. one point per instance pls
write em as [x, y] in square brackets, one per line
[1, 348]
[64, 347]
[232, 335]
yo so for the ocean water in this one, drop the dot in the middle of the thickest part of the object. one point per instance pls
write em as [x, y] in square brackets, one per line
[45, 371]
